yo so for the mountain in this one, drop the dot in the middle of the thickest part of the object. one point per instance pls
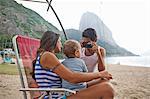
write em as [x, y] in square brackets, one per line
[91, 20]
[74, 34]
[116, 50]
[16, 19]
[111, 50]
[105, 38]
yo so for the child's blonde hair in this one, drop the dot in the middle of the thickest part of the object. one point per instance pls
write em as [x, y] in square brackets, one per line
[70, 47]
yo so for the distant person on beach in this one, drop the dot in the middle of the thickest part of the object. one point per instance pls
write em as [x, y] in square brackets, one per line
[49, 71]
[91, 53]
[7, 58]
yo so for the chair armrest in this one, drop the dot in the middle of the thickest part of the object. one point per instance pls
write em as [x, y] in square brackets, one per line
[48, 89]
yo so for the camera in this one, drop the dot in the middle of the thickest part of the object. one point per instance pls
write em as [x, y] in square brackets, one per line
[88, 45]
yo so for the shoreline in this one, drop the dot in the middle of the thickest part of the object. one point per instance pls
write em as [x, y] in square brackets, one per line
[129, 82]
[139, 61]
[124, 65]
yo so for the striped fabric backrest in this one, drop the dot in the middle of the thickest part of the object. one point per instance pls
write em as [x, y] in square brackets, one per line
[25, 49]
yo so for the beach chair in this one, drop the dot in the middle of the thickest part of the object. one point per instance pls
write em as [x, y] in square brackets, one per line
[25, 50]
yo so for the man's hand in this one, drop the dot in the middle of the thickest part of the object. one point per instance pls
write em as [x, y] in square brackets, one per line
[95, 47]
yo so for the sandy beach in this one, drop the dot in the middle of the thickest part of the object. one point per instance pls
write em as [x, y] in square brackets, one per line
[130, 82]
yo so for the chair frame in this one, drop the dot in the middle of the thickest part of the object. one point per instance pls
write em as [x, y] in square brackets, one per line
[25, 89]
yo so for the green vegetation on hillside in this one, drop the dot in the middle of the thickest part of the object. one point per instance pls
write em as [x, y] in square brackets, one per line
[16, 19]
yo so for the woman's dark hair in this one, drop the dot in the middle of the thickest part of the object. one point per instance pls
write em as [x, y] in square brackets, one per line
[90, 33]
[33, 69]
[47, 43]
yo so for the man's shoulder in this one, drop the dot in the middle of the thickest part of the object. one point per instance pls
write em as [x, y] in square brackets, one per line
[101, 48]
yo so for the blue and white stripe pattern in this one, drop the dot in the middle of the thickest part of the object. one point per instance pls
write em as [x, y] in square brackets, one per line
[47, 78]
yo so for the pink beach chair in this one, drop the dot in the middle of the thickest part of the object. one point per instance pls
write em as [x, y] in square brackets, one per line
[25, 50]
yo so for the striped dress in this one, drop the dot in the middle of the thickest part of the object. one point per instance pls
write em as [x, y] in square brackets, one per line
[47, 78]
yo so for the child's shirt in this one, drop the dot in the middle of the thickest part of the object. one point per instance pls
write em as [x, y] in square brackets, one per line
[76, 65]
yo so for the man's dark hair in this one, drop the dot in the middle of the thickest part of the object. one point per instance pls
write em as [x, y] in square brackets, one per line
[90, 33]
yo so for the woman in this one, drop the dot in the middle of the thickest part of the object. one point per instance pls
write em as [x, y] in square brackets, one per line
[49, 71]
[92, 54]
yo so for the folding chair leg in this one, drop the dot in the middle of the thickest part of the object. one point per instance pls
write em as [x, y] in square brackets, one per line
[25, 95]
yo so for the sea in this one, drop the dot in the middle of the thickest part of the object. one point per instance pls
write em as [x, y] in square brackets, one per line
[142, 61]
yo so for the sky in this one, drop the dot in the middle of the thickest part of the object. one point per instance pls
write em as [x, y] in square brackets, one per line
[129, 20]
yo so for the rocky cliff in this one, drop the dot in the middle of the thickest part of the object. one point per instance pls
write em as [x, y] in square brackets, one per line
[89, 19]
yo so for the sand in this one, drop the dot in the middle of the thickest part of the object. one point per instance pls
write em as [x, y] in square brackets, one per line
[129, 83]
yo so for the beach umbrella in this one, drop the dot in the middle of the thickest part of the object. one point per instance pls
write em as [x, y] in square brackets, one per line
[50, 6]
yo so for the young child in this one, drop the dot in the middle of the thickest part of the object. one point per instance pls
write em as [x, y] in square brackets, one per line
[72, 50]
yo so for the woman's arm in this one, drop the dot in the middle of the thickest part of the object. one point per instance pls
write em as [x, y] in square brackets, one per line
[49, 61]
[96, 81]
